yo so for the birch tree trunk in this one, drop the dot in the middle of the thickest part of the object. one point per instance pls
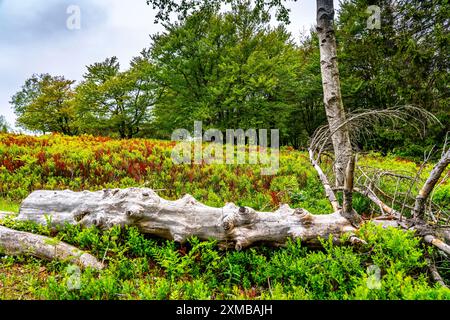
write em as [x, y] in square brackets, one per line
[332, 89]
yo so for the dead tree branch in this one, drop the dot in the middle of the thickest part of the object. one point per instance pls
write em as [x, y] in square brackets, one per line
[326, 184]
[427, 188]
[435, 274]
[13, 242]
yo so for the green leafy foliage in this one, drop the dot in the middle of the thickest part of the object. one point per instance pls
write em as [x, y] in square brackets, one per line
[229, 69]
[110, 102]
[232, 68]
[143, 268]
[261, 72]
[93, 163]
[399, 64]
[45, 104]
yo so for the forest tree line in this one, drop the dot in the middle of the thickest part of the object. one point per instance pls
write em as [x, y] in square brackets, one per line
[237, 70]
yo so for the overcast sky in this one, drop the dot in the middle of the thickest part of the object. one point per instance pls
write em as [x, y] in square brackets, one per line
[34, 37]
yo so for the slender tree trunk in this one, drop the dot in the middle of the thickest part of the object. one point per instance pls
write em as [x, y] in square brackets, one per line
[332, 90]
[326, 185]
[424, 193]
[347, 203]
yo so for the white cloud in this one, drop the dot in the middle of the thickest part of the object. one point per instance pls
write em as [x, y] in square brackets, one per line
[34, 37]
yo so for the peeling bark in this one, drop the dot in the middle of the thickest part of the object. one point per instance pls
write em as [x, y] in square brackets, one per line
[14, 242]
[178, 220]
[332, 89]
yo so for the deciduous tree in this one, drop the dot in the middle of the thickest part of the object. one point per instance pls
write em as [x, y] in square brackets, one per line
[113, 102]
[45, 104]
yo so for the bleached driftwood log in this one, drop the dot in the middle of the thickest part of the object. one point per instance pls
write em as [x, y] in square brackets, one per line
[13, 242]
[181, 219]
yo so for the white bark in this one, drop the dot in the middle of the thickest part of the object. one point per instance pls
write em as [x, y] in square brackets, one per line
[181, 219]
[433, 178]
[326, 184]
[332, 89]
[437, 243]
[13, 242]
[230, 226]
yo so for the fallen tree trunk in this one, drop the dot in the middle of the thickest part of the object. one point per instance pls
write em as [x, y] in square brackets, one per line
[13, 242]
[184, 218]
[178, 220]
